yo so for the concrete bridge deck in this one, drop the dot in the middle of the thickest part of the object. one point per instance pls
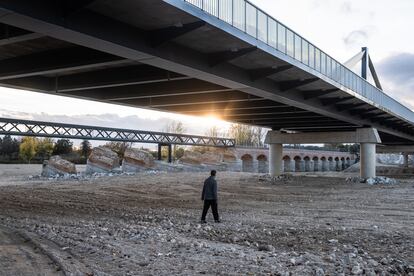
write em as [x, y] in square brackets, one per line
[190, 57]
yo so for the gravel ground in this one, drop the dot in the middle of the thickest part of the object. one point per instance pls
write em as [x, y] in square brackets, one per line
[147, 224]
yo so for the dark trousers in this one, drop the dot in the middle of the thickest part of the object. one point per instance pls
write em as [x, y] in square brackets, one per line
[207, 204]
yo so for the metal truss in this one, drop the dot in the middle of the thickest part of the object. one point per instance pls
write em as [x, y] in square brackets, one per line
[15, 127]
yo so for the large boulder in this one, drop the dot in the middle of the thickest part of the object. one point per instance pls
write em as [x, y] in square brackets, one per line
[211, 158]
[102, 160]
[56, 166]
[136, 160]
[191, 158]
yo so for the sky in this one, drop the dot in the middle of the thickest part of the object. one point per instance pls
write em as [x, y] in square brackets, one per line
[339, 27]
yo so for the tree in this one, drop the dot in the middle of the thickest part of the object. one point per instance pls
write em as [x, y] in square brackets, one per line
[119, 148]
[175, 127]
[28, 149]
[45, 148]
[63, 146]
[10, 148]
[85, 148]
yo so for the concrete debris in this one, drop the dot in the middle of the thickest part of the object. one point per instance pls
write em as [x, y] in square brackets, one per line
[56, 166]
[102, 160]
[274, 180]
[379, 180]
[136, 160]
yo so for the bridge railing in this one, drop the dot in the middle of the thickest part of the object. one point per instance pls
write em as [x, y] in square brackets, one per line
[246, 17]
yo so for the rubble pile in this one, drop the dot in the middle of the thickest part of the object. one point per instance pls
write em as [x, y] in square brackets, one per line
[379, 180]
[57, 166]
[136, 160]
[102, 160]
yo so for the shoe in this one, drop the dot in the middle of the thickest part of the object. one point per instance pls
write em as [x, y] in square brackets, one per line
[203, 221]
[217, 221]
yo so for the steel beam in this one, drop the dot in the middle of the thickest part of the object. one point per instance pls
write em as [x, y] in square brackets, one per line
[152, 90]
[10, 35]
[256, 74]
[162, 36]
[114, 77]
[294, 84]
[311, 94]
[215, 59]
[17, 127]
[55, 61]
[206, 98]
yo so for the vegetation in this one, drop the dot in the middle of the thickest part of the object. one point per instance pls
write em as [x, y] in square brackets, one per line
[177, 151]
[27, 149]
[119, 148]
[63, 146]
[247, 135]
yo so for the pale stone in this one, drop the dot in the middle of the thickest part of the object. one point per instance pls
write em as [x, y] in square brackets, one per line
[102, 160]
[57, 166]
[136, 160]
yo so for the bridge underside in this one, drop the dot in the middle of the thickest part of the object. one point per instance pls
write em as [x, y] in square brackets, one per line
[150, 54]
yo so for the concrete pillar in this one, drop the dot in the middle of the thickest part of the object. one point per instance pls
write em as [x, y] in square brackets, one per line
[307, 166]
[324, 166]
[405, 160]
[338, 166]
[368, 160]
[302, 166]
[275, 159]
[316, 165]
[332, 165]
[292, 165]
[311, 166]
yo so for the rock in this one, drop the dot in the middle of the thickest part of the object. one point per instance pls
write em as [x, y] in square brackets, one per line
[356, 270]
[191, 158]
[102, 160]
[136, 160]
[56, 166]
[370, 181]
[319, 271]
[266, 247]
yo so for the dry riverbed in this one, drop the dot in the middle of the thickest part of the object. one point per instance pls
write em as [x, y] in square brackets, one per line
[147, 224]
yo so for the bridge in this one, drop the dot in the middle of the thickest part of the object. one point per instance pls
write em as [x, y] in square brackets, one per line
[199, 57]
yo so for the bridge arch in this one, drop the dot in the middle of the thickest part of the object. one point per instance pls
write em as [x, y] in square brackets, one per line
[308, 164]
[316, 164]
[331, 163]
[262, 164]
[324, 164]
[247, 163]
[343, 163]
[298, 164]
[287, 163]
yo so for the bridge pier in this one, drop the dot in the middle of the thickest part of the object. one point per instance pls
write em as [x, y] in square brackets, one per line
[275, 159]
[366, 137]
[406, 160]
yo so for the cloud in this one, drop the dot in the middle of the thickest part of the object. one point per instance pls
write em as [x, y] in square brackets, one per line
[346, 7]
[357, 37]
[397, 75]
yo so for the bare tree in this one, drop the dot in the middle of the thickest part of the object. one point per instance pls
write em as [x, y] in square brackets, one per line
[176, 127]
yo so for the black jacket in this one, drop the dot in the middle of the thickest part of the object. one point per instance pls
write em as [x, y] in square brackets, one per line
[209, 189]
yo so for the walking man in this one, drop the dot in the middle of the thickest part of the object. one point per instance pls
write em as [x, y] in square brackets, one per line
[209, 195]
